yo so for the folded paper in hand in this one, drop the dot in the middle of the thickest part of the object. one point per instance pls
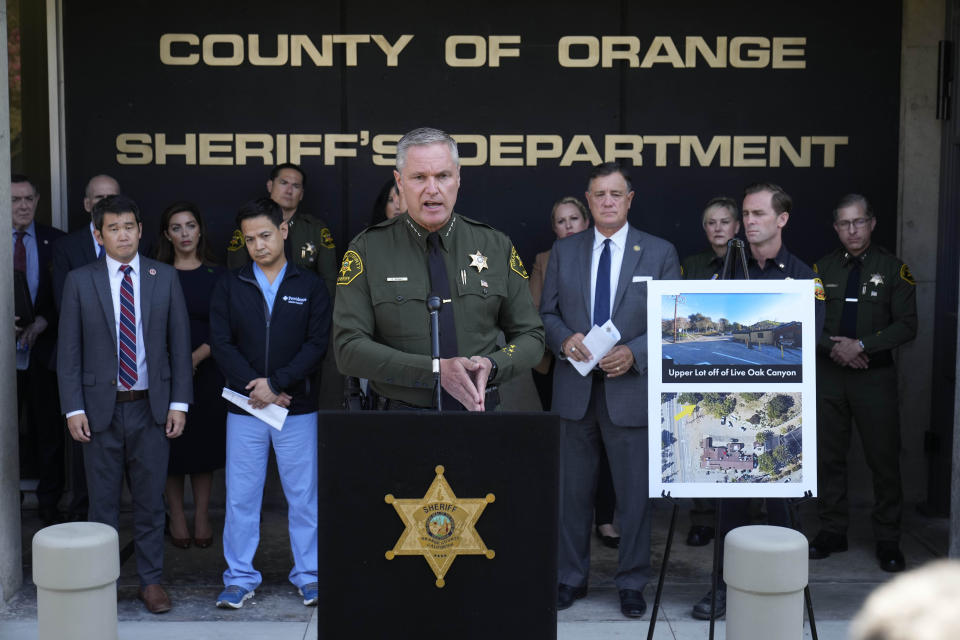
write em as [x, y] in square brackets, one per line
[599, 341]
[272, 414]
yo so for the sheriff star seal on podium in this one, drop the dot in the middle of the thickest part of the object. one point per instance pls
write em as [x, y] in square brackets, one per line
[439, 526]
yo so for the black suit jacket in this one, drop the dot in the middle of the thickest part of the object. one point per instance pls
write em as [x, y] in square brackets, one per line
[44, 350]
[70, 252]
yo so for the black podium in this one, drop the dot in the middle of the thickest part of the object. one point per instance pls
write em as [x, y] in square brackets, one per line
[500, 567]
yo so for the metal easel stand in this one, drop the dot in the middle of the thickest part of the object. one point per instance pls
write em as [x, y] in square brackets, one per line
[793, 505]
[663, 566]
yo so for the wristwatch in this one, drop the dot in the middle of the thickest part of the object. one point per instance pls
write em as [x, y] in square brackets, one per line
[493, 369]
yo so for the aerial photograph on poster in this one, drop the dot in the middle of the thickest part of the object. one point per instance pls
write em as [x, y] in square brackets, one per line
[732, 337]
[731, 437]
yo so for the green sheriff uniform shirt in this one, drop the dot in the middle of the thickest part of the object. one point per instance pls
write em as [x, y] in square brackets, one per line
[309, 245]
[705, 265]
[886, 301]
[381, 326]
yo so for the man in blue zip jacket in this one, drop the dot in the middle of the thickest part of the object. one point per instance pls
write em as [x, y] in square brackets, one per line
[269, 324]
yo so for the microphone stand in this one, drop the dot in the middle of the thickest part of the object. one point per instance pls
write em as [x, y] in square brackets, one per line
[734, 246]
[433, 306]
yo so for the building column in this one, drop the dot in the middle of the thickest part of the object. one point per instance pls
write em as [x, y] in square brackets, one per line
[11, 566]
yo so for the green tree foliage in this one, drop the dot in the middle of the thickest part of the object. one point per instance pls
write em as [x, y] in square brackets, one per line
[778, 406]
[781, 455]
[766, 463]
[689, 398]
[752, 397]
[718, 404]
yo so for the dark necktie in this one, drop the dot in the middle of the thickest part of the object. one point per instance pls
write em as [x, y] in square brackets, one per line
[848, 319]
[601, 298]
[440, 284]
[20, 253]
[127, 372]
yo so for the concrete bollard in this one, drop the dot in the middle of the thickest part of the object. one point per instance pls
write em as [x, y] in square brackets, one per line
[765, 569]
[75, 568]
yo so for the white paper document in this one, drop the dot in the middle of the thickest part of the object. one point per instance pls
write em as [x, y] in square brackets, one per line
[599, 341]
[272, 414]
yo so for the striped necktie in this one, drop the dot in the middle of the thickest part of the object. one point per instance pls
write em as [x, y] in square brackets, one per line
[127, 372]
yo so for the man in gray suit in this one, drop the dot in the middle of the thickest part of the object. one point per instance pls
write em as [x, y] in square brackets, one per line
[125, 374]
[603, 273]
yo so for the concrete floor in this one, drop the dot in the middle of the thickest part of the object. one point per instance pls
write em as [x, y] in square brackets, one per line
[839, 585]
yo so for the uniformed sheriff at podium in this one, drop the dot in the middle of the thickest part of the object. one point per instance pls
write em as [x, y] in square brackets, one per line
[381, 322]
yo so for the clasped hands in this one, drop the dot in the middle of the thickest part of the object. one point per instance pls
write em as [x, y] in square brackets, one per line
[466, 380]
[846, 352]
[616, 363]
[261, 395]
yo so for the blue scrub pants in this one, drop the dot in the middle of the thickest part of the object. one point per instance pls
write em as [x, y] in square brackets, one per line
[248, 448]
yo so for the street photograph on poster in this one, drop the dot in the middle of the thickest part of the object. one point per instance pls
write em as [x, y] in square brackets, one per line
[743, 337]
[732, 388]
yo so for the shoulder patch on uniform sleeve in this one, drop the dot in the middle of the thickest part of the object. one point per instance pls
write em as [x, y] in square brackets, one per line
[516, 264]
[350, 268]
[326, 238]
[906, 275]
[818, 292]
[236, 241]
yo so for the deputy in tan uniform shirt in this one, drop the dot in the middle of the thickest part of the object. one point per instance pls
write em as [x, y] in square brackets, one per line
[381, 322]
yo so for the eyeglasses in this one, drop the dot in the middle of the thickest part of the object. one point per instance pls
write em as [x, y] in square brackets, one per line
[857, 223]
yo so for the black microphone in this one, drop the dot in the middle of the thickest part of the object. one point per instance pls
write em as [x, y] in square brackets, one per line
[433, 306]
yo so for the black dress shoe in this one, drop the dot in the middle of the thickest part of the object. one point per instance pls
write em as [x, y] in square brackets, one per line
[699, 535]
[611, 542]
[890, 557]
[701, 610]
[632, 603]
[567, 594]
[825, 543]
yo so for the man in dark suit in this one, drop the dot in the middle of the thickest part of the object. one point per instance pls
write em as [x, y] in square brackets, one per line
[125, 374]
[594, 276]
[36, 341]
[71, 252]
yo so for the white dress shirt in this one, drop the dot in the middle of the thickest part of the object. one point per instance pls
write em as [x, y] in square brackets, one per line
[618, 242]
[115, 274]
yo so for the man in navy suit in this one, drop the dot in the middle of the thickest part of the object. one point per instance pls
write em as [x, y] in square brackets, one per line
[126, 378]
[593, 276]
[36, 341]
[71, 252]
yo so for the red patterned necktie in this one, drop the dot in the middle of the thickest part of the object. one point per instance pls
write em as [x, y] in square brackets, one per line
[128, 331]
[20, 253]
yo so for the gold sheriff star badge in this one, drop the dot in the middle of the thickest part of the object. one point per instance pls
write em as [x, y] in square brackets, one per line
[439, 526]
[478, 260]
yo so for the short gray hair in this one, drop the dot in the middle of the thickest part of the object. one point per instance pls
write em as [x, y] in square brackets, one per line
[917, 604]
[424, 136]
[850, 200]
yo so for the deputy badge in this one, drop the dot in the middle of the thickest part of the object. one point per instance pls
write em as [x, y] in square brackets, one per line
[308, 252]
[876, 279]
[818, 292]
[906, 275]
[478, 260]
[236, 241]
[350, 268]
[516, 264]
[326, 239]
[439, 526]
